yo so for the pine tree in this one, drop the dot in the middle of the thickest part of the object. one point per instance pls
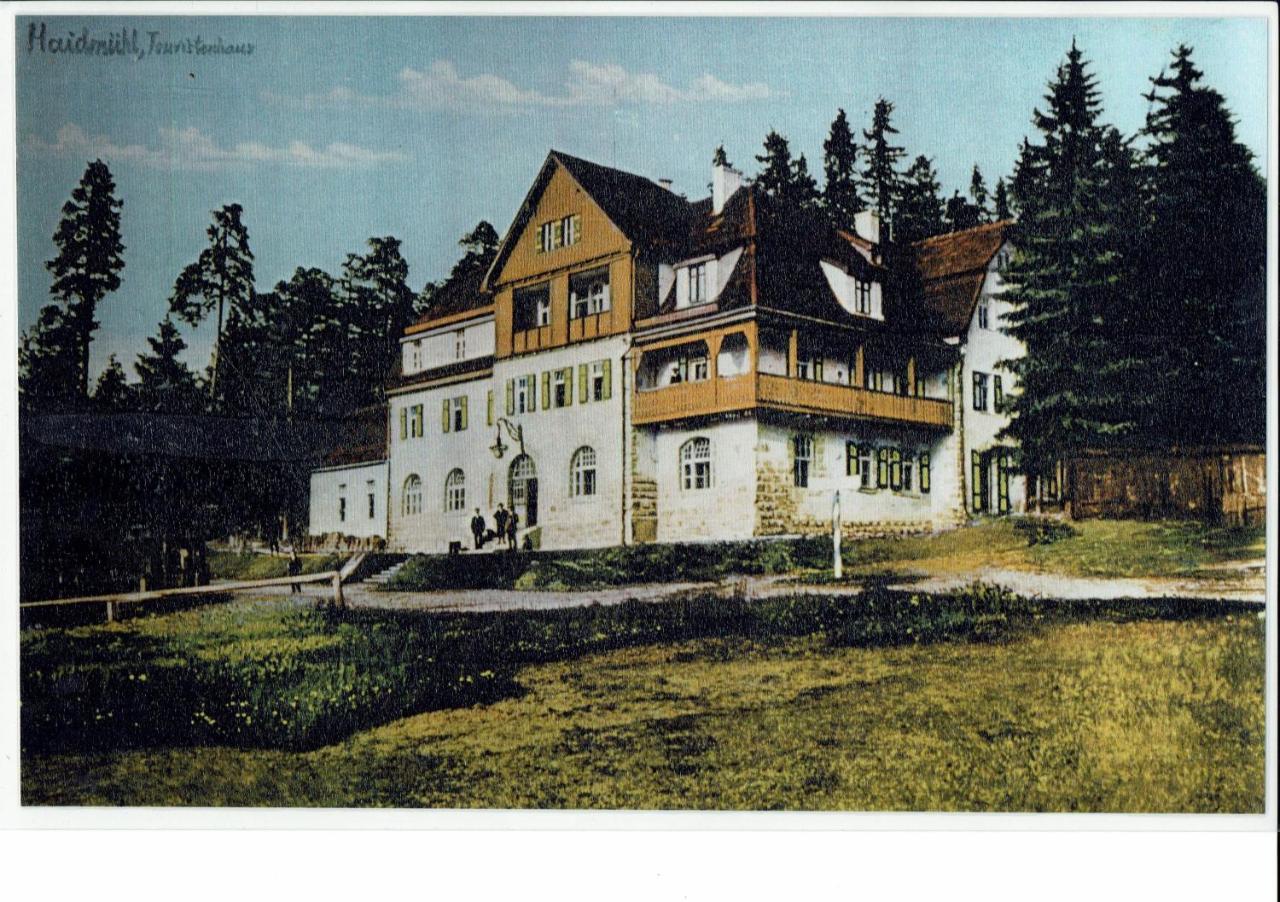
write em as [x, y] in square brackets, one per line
[840, 196]
[1079, 383]
[919, 207]
[165, 383]
[960, 214]
[113, 391]
[775, 178]
[221, 278]
[880, 174]
[1002, 211]
[378, 305]
[88, 264]
[49, 364]
[802, 190]
[979, 196]
[1209, 298]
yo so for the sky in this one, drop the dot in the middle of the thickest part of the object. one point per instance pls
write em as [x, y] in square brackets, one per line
[334, 130]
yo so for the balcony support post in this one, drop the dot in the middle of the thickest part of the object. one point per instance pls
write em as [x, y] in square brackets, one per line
[793, 354]
[911, 376]
[859, 372]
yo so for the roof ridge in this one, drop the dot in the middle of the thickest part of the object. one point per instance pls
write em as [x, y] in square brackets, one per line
[982, 227]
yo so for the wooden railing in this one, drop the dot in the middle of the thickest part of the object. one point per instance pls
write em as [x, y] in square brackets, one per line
[335, 577]
[713, 396]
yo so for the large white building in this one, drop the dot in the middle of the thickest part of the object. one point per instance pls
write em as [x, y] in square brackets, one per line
[637, 367]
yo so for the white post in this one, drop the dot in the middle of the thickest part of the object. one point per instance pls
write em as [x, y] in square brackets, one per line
[338, 600]
[837, 565]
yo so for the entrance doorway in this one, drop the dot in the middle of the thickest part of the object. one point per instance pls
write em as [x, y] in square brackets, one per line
[523, 489]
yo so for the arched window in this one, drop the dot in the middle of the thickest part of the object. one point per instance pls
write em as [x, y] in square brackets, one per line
[455, 491]
[582, 472]
[411, 500]
[695, 464]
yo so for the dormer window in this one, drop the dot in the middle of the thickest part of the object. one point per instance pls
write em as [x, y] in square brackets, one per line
[698, 284]
[589, 293]
[862, 296]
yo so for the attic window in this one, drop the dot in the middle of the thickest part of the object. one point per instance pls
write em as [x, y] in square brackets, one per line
[557, 233]
[698, 284]
[862, 296]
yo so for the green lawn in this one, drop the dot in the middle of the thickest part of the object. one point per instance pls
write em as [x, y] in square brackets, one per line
[976, 701]
[1115, 548]
[250, 565]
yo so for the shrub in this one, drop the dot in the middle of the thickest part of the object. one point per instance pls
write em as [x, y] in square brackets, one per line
[1044, 530]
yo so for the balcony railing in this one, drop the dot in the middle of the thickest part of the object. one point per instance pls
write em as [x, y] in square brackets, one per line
[713, 396]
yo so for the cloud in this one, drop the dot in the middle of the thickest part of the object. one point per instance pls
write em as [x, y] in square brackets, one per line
[441, 86]
[191, 149]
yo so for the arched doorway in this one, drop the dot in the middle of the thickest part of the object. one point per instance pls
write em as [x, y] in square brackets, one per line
[523, 489]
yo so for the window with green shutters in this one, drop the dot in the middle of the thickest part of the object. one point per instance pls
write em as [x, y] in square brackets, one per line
[924, 472]
[997, 394]
[895, 469]
[975, 467]
[415, 421]
[851, 458]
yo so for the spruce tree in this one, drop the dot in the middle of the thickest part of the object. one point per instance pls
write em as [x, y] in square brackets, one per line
[840, 195]
[775, 178]
[1001, 201]
[880, 174]
[165, 383]
[919, 206]
[802, 190]
[87, 267]
[1079, 384]
[960, 214]
[221, 278]
[978, 194]
[113, 393]
[1209, 335]
[49, 364]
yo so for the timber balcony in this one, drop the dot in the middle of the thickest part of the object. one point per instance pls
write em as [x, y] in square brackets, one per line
[752, 390]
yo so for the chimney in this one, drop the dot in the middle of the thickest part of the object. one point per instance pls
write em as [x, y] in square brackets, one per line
[867, 224]
[666, 183]
[724, 181]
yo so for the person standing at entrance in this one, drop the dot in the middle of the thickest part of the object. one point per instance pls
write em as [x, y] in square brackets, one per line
[477, 529]
[295, 568]
[500, 517]
[513, 523]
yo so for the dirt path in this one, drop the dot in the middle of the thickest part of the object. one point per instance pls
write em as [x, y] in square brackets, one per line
[1021, 582]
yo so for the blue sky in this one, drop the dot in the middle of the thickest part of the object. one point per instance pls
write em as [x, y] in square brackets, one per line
[337, 129]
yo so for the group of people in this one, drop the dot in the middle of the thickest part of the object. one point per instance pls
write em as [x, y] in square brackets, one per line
[505, 523]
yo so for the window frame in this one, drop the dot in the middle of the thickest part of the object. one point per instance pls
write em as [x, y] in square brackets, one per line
[801, 459]
[979, 391]
[696, 473]
[582, 472]
[861, 296]
[697, 276]
[411, 496]
[592, 302]
[455, 491]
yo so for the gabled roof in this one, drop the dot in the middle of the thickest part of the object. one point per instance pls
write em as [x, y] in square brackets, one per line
[949, 271]
[644, 211]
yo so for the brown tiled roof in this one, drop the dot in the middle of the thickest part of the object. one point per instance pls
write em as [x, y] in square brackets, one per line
[459, 368]
[948, 272]
[457, 295]
[362, 438]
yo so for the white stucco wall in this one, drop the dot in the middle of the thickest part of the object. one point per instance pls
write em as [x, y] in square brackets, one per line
[438, 347]
[724, 511]
[551, 437]
[355, 483]
[983, 349]
[842, 286]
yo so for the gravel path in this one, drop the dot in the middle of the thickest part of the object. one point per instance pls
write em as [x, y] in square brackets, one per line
[1025, 583]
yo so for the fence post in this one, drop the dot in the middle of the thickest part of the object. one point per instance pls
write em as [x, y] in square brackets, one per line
[111, 612]
[837, 562]
[338, 601]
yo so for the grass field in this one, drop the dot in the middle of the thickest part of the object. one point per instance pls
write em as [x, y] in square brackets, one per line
[249, 565]
[977, 701]
[1101, 548]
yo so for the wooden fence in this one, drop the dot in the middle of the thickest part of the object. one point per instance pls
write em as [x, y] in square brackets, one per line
[1226, 486]
[334, 577]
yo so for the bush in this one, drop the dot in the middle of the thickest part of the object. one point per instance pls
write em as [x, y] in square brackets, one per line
[1044, 530]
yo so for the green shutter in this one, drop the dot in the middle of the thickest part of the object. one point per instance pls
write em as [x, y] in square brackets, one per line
[882, 468]
[546, 389]
[537, 238]
[531, 380]
[895, 469]
[557, 233]
[464, 411]
[608, 379]
[404, 423]
[924, 472]
[975, 476]
[583, 395]
[488, 417]
[998, 394]
[511, 397]
[850, 459]
[577, 227]
[444, 420]
[567, 373]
